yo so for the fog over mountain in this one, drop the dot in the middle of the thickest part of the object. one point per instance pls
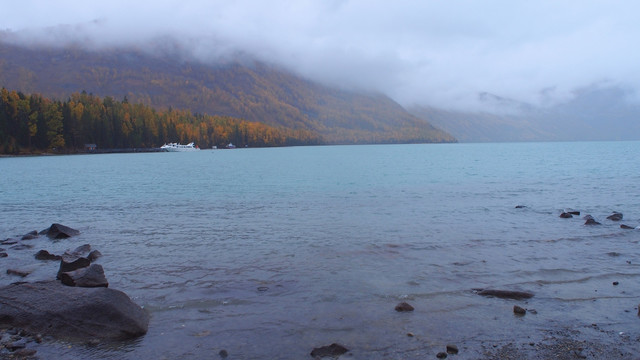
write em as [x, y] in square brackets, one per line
[544, 55]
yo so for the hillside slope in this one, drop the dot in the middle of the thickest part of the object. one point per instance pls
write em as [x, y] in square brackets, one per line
[246, 90]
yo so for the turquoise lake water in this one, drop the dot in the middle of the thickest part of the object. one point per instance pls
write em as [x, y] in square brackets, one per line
[268, 253]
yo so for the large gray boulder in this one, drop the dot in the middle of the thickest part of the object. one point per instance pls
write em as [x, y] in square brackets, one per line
[72, 313]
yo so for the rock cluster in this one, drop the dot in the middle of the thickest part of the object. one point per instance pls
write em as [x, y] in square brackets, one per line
[84, 310]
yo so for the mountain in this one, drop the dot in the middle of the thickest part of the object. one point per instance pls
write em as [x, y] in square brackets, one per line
[482, 126]
[592, 113]
[248, 90]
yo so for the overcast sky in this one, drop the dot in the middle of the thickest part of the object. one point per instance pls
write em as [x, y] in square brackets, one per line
[441, 53]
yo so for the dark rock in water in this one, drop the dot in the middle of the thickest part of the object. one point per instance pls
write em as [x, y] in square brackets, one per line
[591, 221]
[9, 241]
[223, 353]
[77, 252]
[520, 206]
[441, 355]
[92, 276]
[45, 255]
[572, 212]
[404, 307]
[626, 227]
[505, 294]
[616, 216]
[94, 255]
[452, 349]
[332, 350]
[59, 231]
[587, 217]
[73, 313]
[615, 283]
[72, 266]
[565, 215]
[30, 235]
[21, 247]
[519, 310]
[3, 254]
[21, 273]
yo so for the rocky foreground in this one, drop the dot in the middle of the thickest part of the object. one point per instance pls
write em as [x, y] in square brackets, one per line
[75, 305]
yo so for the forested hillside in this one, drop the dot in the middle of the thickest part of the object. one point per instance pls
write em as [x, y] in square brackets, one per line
[31, 123]
[247, 90]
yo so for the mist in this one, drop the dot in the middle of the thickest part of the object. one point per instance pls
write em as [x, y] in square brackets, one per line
[435, 53]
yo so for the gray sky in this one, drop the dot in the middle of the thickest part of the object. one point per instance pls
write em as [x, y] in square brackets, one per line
[442, 53]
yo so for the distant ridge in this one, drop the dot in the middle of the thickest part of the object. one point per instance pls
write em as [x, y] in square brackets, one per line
[247, 90]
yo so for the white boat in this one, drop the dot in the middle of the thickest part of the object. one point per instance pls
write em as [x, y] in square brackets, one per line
[175, 147]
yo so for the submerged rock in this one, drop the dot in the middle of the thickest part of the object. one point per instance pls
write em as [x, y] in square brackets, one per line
[626, 227]
[505, 294]
[452, 349]
[92, 276]
[3, 254]
[21, 273]
[72, 313]
[616, 216]
[591, 221]
[404, 307]
[30, 235]
[519, 310]
[565, 215]
[332, 350]
[21, 247]
[9, 241]
[59, 231]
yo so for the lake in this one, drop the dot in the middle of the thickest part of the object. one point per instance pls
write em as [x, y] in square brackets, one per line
[268, 253]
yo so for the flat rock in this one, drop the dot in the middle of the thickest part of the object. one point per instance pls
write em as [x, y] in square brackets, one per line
[92, 276]
[21, 247]
[9, 241]
[505, 294]
[59, 231]
[21, 273]
[72, 313]
[566, 215]
[332, 350]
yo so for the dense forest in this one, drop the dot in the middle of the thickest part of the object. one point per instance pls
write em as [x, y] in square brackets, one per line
[33, 123]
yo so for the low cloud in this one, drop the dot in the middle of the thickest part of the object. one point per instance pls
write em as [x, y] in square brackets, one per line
[440, 53]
